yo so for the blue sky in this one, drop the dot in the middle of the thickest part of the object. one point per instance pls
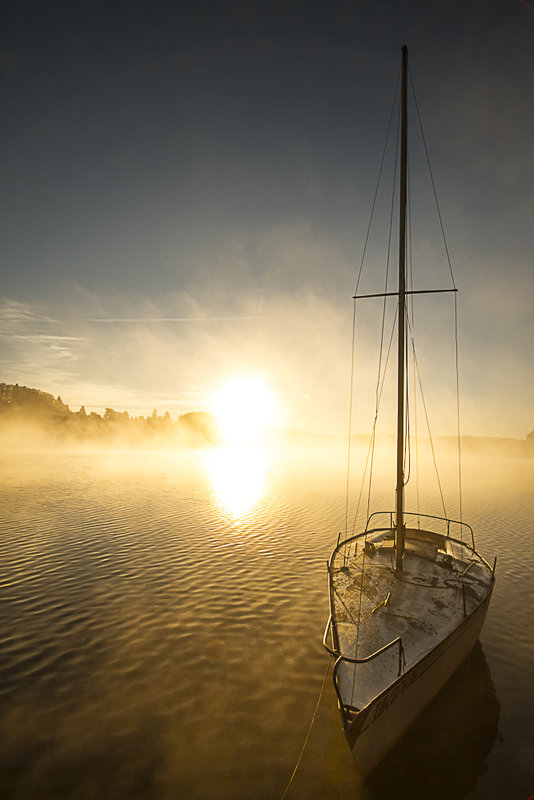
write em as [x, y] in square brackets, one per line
[186, 188]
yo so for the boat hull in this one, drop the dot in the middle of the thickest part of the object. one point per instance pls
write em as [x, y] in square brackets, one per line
[378, 727]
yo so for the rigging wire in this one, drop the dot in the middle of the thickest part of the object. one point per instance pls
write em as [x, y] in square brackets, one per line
[459, 446]
[412, 315]
[377, 186]
[416, 364]
[369, 464]
[361, 587]
[410, 312]
[366, 241]
[458, 416]
[347, 486]
[358, 629]
[407, 440]
[432, 179]
[393, 326]
[383, 321]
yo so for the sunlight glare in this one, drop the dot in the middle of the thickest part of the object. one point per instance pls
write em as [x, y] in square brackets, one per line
[244, 408]
[238, 476]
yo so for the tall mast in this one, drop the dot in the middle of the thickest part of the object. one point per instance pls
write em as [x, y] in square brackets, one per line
[399, 493]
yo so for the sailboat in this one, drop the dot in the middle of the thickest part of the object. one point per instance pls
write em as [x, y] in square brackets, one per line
[409, 593]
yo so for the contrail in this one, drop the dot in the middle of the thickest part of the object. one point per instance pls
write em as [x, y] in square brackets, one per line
[169, 319]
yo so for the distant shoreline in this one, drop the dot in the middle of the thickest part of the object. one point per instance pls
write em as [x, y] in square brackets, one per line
[496, 445]
[29, 415]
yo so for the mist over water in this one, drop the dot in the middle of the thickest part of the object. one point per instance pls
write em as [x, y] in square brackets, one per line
[161, 623]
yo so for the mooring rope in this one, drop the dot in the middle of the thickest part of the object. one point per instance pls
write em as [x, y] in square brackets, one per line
[314, 716]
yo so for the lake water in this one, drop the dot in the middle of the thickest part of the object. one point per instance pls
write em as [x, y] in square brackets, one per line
[161, 624]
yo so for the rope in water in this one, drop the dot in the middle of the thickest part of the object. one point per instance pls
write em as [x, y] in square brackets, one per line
[314, 716]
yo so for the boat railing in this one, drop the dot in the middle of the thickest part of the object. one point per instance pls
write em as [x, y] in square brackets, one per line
[340, 658]
[416, 514]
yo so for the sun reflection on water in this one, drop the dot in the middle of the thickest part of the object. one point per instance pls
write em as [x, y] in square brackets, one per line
[239, 476]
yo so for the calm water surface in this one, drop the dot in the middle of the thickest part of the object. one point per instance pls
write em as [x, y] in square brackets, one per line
[161, 624]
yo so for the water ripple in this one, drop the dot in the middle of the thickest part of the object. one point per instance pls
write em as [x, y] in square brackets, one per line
[145, 630]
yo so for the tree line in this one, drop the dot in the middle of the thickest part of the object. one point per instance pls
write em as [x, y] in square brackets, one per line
[23, 406]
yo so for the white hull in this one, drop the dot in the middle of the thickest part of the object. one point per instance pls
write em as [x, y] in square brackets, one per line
[379, 726]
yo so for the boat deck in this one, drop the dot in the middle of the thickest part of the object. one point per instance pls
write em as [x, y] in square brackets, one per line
[442, 582]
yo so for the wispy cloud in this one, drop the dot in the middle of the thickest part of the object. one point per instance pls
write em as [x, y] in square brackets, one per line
[16, 315]
[40, 337]
[31, 352]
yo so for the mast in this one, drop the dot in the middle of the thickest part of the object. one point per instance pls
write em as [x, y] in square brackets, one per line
[399, 492]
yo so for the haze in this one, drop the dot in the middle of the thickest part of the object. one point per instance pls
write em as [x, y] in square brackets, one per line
[186, 193]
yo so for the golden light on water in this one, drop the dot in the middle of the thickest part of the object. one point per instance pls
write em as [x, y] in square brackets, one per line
[238, 475]
[244, 408]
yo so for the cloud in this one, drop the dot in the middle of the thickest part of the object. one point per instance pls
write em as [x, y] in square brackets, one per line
[16, 315]
[31, 353]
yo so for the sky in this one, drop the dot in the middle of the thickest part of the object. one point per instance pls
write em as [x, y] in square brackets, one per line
[186, 189]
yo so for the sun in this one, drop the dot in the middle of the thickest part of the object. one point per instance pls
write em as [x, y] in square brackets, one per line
[244, 408]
